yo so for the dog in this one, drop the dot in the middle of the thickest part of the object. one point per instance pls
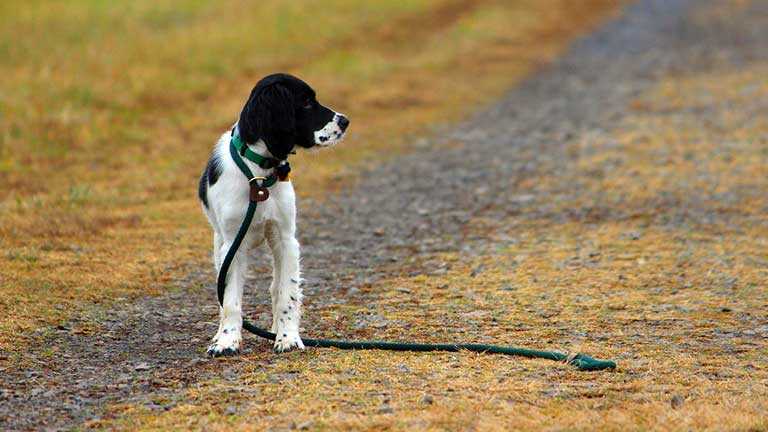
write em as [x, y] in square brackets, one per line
[281, 114]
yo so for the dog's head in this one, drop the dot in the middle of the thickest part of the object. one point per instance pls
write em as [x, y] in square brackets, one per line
[283, 111]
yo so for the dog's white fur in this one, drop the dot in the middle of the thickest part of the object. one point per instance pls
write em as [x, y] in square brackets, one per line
[275, 221]
[330, 134]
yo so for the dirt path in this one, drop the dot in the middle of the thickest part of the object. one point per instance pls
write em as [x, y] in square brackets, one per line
[418, 205]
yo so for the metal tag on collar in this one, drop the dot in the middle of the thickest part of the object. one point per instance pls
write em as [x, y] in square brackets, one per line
[283, 171]
[258, 191]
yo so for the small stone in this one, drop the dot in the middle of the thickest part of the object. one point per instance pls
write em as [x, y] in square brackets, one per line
[386, 409]
[427, 400]
[421, 143]
[403, 290]
[302, 426]
[726, 309]
[763, 330]
[305, 425]
[522, 199]
[676, 401]
[142, 366]
[476, 271]
[231, 410]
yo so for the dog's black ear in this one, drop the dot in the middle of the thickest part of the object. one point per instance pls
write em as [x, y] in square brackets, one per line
[270, 115]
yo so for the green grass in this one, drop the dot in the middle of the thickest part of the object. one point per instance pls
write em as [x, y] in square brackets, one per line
[87, 75]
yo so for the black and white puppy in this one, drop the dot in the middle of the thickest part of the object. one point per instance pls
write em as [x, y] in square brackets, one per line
[281, 113]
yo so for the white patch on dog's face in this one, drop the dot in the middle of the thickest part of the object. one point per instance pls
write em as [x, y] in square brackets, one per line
[333, 132]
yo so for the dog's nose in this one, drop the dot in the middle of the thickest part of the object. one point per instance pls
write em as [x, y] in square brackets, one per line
[343, 122]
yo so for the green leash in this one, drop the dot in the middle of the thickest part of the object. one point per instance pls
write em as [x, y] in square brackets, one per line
[259, 193]
[581, 361]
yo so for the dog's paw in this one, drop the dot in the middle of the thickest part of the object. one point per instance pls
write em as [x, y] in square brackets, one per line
[226, 343]
[288, 341]
[217, 351]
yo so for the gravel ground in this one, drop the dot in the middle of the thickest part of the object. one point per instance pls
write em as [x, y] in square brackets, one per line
[413, 205]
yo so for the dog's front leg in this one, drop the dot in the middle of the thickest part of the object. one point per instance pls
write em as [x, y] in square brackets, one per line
[228, 338]
[286, 286]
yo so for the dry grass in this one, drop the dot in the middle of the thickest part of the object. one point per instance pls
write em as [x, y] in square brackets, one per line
[661, 266]
[109, 111]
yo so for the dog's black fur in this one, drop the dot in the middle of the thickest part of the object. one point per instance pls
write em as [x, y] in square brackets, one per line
[210, 175]
[283, 111]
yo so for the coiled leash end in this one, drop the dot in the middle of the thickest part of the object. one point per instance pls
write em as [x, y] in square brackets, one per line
[586, 363]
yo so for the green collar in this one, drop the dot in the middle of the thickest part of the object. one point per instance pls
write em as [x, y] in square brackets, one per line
[246, 152]
[260, 182]
[238, 149]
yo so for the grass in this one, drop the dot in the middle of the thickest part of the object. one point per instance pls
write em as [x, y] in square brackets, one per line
[660, 265]
[108, 112]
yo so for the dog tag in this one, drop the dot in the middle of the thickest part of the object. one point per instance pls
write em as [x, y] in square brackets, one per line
[259, 193]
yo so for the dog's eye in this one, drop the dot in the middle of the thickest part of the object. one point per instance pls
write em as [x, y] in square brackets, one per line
[308, 104]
